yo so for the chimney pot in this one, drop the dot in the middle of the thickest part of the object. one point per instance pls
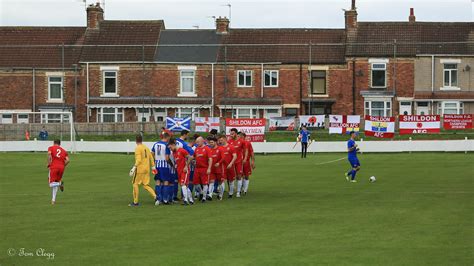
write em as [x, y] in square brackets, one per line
[222, 25]
[412, 18]
[95, 14]
[351, 16]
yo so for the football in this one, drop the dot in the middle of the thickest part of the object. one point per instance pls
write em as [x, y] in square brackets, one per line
[372, 179]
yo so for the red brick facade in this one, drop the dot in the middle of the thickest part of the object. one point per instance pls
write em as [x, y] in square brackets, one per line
[156, 84]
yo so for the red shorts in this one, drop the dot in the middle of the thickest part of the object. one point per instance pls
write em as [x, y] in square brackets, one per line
[217, 177]
[55, 174]
[183, 178]
[228, 174]
[247, 169]
[239, 169]
[200, 176]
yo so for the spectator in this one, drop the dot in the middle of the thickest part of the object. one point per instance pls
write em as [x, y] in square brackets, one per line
[43, 135]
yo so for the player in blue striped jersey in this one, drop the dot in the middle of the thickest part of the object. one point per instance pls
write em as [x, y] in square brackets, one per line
[164, 178]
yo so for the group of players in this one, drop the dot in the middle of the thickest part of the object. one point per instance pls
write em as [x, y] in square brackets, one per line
[202, 166]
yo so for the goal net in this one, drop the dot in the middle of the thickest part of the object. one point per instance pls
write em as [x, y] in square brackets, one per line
[38, 126]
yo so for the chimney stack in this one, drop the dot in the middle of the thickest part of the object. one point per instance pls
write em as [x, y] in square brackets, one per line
[95, 14]
[351, 17]
[412, 18]
[222, 25]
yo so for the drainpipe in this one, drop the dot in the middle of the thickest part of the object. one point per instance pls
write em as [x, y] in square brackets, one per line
[432, 81]
[353, 87]
[261, 81]
[87, 90]
[301, 88]
[212, 90]
[34, 93]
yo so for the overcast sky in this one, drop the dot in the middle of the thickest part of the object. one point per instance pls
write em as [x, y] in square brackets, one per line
[245, 13]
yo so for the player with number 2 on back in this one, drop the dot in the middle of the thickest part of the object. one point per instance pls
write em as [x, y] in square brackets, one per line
[57, 161]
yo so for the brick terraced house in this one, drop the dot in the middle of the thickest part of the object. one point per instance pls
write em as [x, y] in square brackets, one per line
[125, 71]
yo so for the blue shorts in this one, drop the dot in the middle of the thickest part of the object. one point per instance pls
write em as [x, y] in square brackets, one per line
[164, 174]
[354, 161]
[191, 175]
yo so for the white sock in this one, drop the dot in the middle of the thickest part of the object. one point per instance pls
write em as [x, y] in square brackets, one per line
[246, 184]
[204, 193]
[211, 189]
[239, 186]
[190, 195]
[222, 189]
[55, 191]
[231, 188]
[184, 191]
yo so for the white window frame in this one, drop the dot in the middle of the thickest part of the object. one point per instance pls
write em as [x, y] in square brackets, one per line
[100, 114]
[61, 83]
[266, 114]
[245, 78]
[183, 69]
[450, 86]
[22, 120]
[109, 94]
[195, 112]
[378, 69]
[387, 106]
[8, 120]
[270, 74]
[254, 113]
[459, 107]
[46, 119]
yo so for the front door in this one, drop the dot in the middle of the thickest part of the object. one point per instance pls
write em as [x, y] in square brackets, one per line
[423, 108]
[405, 108]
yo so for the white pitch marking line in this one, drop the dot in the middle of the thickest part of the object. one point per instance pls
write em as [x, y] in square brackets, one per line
[333, 161]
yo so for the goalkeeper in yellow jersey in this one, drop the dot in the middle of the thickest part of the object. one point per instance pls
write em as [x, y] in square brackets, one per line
[140, 172]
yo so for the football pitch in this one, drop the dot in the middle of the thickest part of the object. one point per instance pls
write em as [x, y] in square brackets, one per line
[298, 211]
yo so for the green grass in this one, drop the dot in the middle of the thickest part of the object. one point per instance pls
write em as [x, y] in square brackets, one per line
[419, 212]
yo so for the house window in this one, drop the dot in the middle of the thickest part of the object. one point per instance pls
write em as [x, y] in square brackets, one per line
[187, 83]
[245, 113]
[244, 78]
[318, 82]
[450, 75]
[7, 118]
[450, 108]
[184, 112]
[23, 119]
[379, 75]
[269, 113]
[271, 78]
[49, 118]
[378, 108]
[110, 115]
[55, 88]
[110, 83]
[291, 111]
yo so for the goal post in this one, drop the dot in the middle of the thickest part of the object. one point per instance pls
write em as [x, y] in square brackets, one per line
[27, 125]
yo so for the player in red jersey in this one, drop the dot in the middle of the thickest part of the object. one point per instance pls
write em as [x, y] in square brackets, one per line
[239, 145]
[57, 161]
[248, 163]
[228, 169]
[216, 170]
[202, 155]
[182, 160]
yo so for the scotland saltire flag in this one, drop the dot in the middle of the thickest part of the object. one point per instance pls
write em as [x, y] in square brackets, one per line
[178, 124]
